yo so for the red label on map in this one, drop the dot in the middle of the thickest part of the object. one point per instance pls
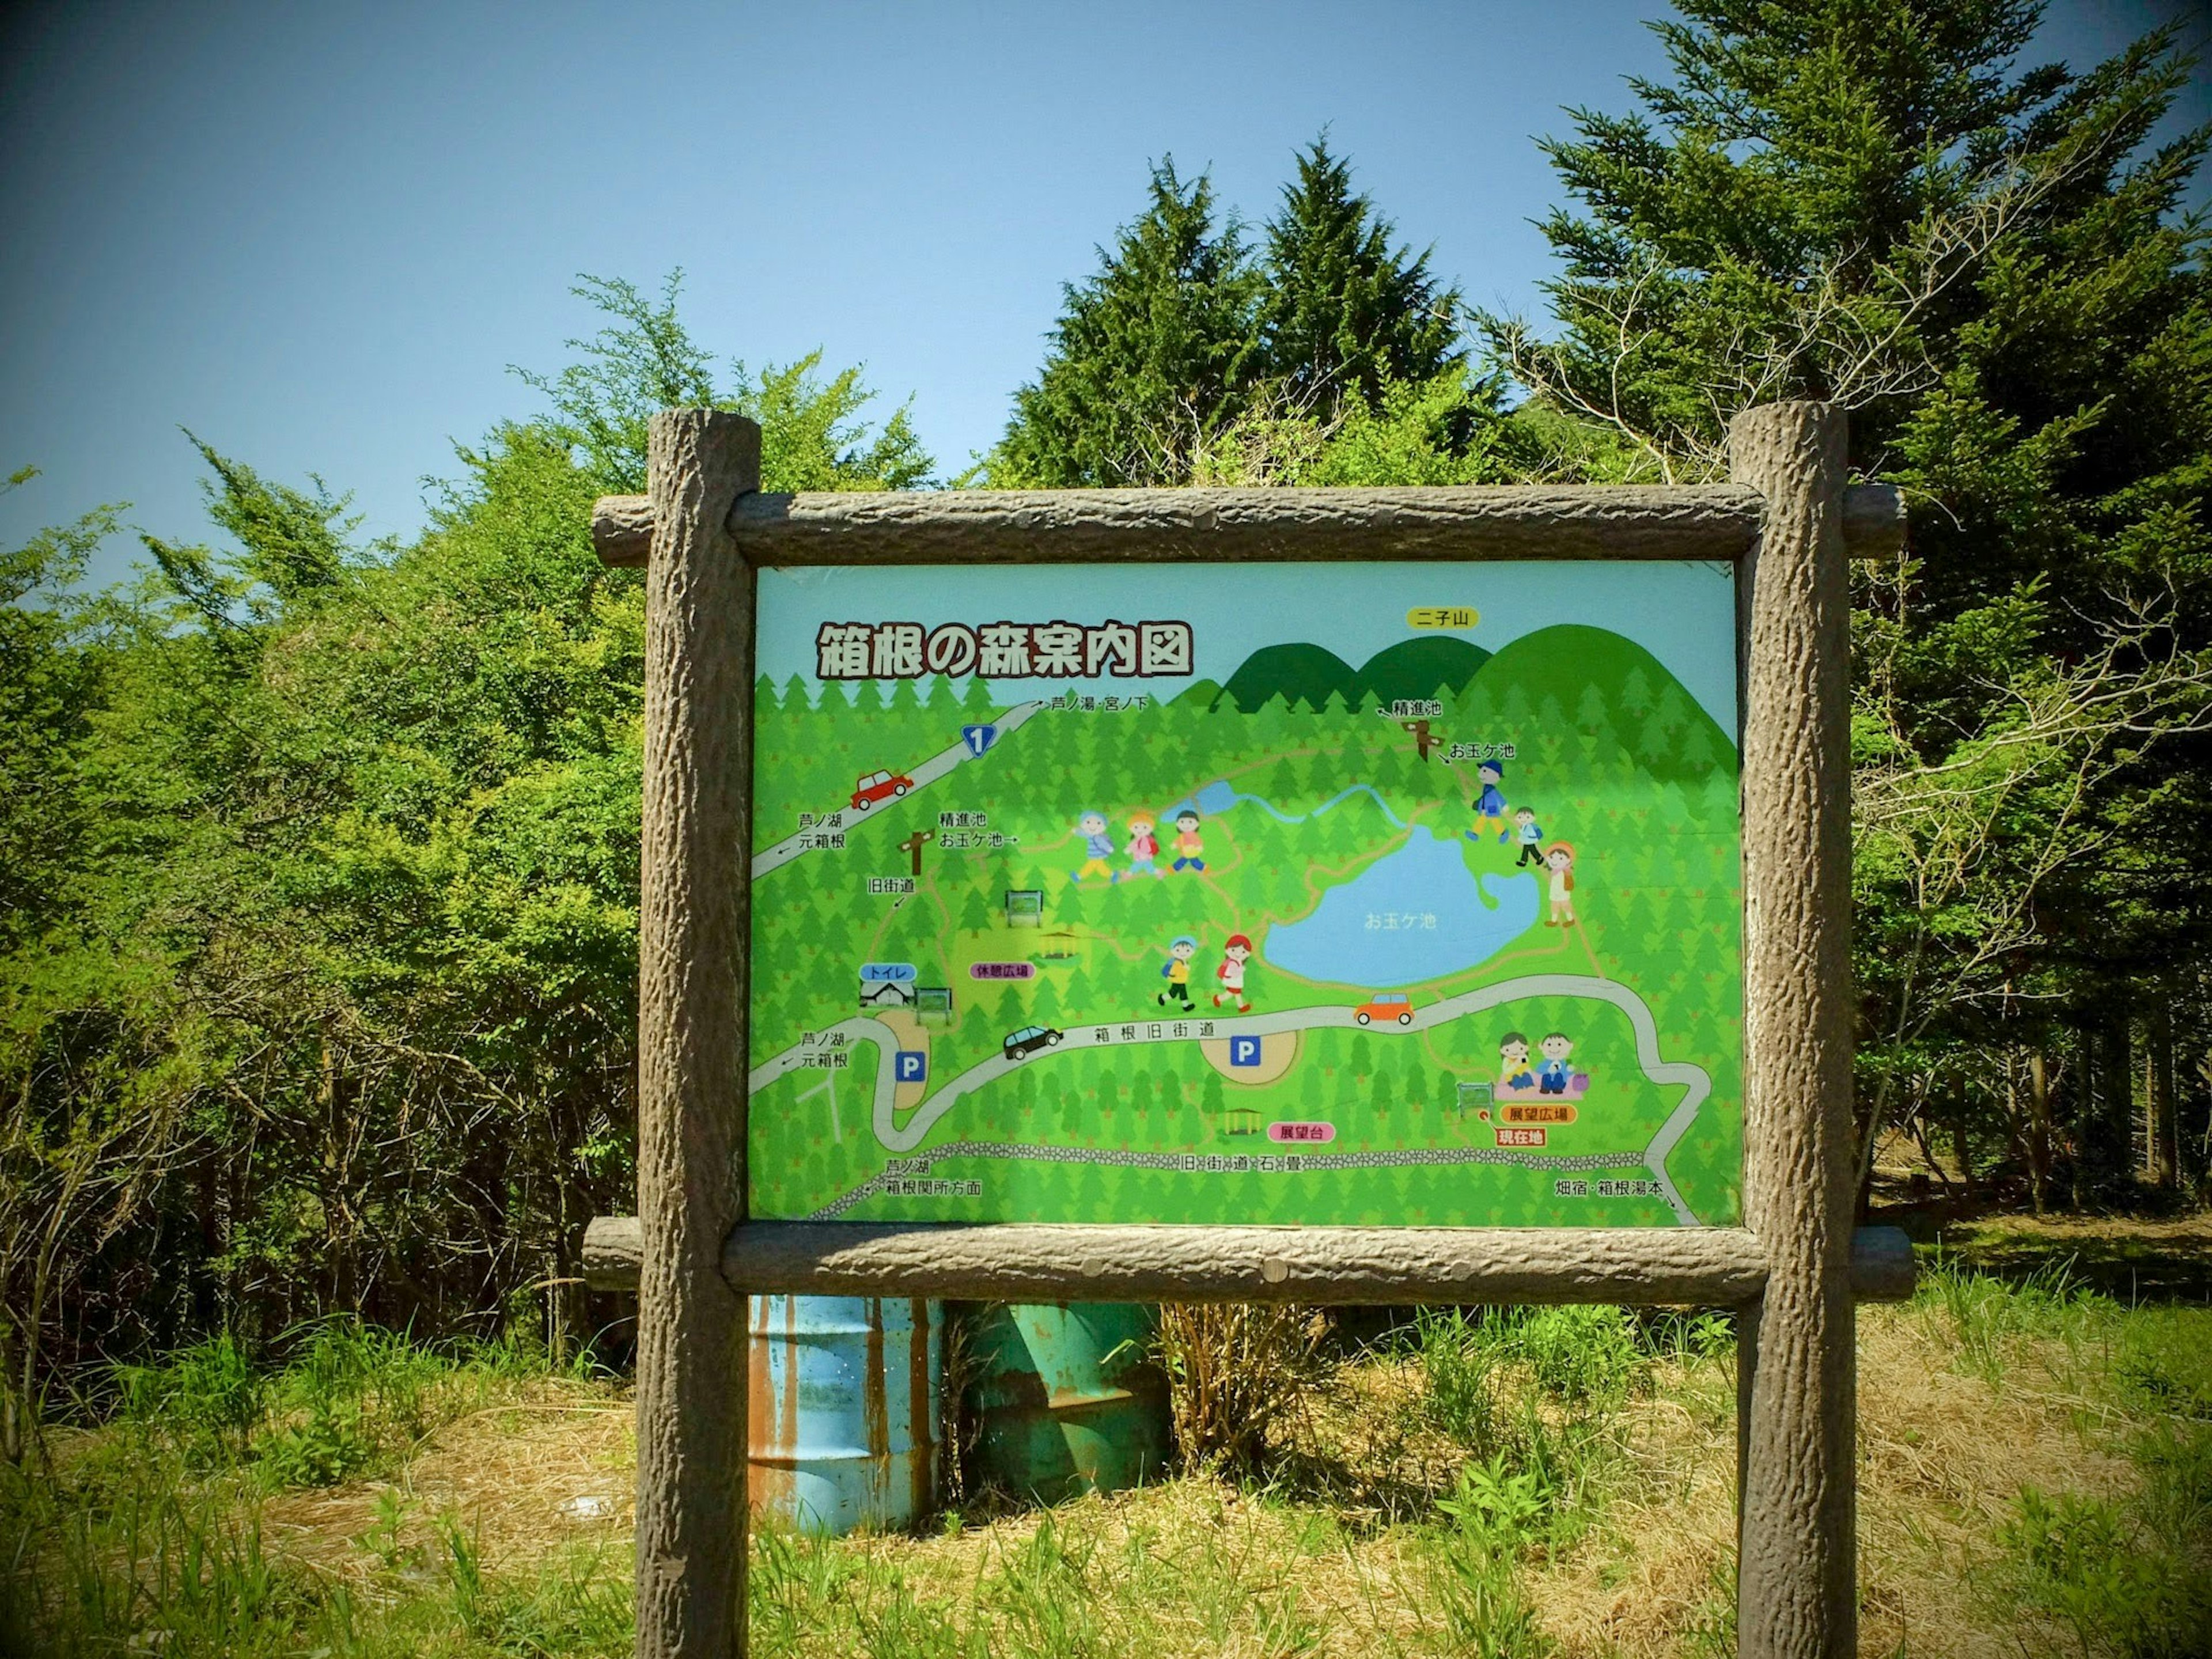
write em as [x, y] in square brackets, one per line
[1539, 1113]
[1519, 1137]
[1302, 1133]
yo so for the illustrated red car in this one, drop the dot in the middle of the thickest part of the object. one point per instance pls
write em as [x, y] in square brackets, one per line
[1389, 1008]
[872, 786]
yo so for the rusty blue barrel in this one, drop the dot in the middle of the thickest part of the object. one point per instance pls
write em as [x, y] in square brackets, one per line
[845, 1399]
[1065, 1397]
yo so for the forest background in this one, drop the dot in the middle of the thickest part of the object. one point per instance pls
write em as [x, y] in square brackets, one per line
[318, 918]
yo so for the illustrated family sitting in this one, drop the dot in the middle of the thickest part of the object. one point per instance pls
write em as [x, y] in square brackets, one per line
[1517, 1079]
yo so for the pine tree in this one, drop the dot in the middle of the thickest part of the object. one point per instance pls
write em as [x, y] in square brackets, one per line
[1346, 311]
[1152, 356]
[1992, 267]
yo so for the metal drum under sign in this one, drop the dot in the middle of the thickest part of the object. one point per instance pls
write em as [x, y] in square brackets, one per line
[1066, 1398]
[845, 1395]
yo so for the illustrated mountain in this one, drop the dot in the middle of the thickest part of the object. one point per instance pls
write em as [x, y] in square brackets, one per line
[1310, 674]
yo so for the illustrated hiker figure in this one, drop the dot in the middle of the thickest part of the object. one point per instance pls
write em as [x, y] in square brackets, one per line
[1144, 847]
[1559, 860]
[1490, 804]
[1530, 835]
[1552, 1075]
[1234, 955]
[1513, 1070]
[1099, 844]
[1177, 970]
[1189, 849]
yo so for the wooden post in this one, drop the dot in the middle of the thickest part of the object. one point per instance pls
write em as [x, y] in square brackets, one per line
[693, 919]
[1796, 1566]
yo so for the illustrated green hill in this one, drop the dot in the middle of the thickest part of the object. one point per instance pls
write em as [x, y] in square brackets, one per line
[1310, 674]
[1566, 664]
[1419, 668]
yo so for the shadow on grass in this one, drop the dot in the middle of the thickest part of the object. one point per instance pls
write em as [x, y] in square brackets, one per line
[2132, 1259]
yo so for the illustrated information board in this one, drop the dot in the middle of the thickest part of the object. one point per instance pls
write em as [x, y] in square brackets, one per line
[1342, 893]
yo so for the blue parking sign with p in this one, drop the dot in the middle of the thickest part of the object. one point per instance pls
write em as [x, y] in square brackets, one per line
[911, 1066]
[1243, 1051]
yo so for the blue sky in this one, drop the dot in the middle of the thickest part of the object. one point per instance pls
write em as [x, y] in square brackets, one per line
[318, 235]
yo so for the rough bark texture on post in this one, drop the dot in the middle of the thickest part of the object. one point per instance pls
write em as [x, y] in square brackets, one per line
[691, 1040]
[1437, 521]
[1024, 1262]
[1317, 1265]
[1797, 1570]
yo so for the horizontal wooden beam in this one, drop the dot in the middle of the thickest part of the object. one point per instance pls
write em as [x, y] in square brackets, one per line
[1021, 1262]
[965, 526]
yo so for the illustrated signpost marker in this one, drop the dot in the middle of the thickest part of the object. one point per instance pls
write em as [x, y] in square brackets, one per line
[1794, 1270]
[912, 846]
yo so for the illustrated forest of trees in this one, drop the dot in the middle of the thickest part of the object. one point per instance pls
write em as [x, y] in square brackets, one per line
[319, 908]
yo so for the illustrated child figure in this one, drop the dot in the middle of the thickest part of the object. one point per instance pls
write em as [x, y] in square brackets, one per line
[1144, 847]
[1513, 1062]
[1530, 834]
[1490, 804]
[1552, 1076]
[1189, 849]
[1234, 955]
[1177, 970]
[1097, 842]
[1559, 860]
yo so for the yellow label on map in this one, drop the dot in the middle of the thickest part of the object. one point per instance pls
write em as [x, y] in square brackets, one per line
[1443, 616]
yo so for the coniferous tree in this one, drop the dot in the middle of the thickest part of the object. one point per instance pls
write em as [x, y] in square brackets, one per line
[1152, 356]
[1345, 311]
[1990, 267]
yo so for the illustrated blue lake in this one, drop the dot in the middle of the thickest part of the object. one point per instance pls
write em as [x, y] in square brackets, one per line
[1416, 915]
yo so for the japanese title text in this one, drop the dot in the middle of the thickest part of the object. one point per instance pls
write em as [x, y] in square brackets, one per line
[1004, 650]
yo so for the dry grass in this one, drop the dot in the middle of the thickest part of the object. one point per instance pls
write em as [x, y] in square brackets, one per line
[502, 1474]
[1338, 1551]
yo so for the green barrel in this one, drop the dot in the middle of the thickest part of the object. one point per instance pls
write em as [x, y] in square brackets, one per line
[1065, 1397]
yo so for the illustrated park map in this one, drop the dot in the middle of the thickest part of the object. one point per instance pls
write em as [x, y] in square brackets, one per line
[1329, 894]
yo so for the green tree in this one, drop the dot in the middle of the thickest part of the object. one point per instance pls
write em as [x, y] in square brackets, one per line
[1152, 355]
[644, 359]
[1346, 314]
[1990, 267]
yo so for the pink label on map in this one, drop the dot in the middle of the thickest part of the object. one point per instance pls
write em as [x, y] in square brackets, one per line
[1002, 970]
[1303, 1134]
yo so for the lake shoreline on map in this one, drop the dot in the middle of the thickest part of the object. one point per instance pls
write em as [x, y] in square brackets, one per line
[1240, 947]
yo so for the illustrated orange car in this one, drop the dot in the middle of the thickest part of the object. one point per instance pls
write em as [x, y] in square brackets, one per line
[1389, 1007]
[872, 786]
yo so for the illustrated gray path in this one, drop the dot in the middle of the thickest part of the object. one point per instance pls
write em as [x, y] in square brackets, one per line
[793, 846]
[904, 1138]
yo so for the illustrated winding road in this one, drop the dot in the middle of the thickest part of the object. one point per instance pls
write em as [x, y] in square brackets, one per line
[904, 1138]
[796, 846]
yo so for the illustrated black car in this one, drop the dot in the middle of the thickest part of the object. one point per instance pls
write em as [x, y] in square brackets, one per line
[1021, 1044]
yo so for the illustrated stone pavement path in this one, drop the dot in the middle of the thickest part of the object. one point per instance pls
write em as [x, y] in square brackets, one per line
[903, 1139]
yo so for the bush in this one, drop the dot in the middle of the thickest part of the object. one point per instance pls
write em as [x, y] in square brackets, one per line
[1235, 1371]
[2078, 1564]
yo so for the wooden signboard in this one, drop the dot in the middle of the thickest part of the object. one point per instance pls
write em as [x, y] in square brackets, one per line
[1329, 895]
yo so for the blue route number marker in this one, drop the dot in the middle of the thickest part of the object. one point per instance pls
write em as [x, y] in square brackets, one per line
[978, 738]
[1243, 1051]
[911, 1066]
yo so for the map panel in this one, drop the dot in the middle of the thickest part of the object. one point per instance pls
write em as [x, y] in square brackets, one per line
[1360, 893]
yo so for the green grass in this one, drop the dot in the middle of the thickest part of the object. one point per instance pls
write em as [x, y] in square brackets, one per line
[1459, 1483]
